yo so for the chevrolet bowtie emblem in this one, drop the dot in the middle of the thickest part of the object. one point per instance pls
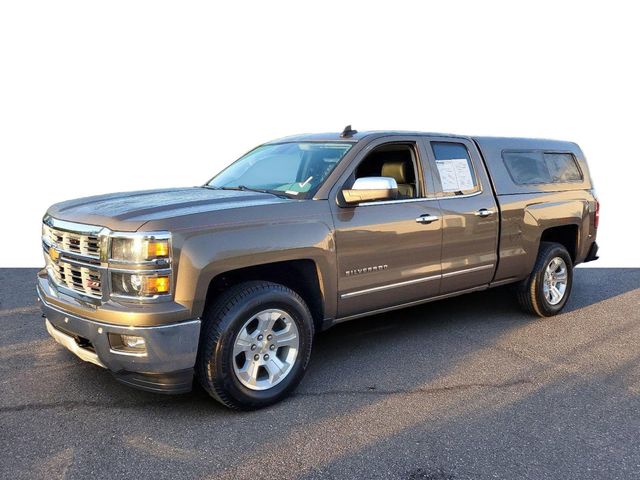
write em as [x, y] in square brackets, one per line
[54, 254]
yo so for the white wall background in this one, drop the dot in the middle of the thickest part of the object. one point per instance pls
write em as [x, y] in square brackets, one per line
[125, 95]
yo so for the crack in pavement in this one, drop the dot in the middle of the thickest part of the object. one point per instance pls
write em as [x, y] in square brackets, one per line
[416, 391]
[72, 404]
[19, 311]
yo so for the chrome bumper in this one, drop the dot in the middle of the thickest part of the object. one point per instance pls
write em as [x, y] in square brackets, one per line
[70, 344]
[170, 348]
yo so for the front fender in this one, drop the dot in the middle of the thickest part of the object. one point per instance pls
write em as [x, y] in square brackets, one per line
[207, 254]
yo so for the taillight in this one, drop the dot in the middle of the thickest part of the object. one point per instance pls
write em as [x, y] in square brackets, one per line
[596, 219]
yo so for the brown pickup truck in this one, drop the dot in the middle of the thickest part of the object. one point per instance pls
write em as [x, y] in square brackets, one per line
[229, 281]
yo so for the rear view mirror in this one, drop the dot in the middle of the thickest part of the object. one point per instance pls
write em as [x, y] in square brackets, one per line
[369, 189]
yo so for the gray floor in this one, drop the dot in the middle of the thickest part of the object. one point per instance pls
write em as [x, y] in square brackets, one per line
[467, 388]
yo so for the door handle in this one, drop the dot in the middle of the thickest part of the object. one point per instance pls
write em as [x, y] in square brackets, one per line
[483, 212]
[426, 219]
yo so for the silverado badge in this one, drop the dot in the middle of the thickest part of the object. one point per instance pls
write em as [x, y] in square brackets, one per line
[361, 270]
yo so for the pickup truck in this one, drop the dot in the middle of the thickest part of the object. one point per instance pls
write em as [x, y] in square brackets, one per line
[228, 282]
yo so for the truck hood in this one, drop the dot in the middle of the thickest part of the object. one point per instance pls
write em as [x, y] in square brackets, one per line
[128, 211]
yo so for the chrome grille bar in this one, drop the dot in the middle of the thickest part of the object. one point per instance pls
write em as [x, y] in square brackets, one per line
[73, 256]
[80, 279]
[79, 243]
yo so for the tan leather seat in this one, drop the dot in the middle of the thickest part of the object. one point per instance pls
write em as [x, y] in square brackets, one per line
[398, 171]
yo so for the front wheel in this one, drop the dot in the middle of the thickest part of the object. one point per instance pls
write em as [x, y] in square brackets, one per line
[255, 345]
[546, 291]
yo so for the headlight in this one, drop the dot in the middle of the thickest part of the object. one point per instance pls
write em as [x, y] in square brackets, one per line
[141, 248]
[140, 265]
[140, 284]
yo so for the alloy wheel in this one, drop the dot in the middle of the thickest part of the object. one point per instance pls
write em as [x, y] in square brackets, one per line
[265, 349]
[555, 280]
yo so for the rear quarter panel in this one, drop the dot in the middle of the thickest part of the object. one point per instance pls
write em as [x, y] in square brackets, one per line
[526, 216]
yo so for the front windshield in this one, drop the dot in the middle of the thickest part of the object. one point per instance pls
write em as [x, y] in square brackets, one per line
[295, 169]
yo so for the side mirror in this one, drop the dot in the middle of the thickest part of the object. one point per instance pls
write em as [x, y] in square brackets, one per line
[370, 189]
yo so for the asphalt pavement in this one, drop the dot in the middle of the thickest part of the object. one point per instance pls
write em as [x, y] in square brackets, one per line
[466, 388]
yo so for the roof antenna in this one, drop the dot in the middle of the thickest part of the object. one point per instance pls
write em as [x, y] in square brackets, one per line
[348, 132]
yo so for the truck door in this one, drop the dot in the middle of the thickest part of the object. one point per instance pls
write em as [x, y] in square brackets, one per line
[469, 213]
[388, 252]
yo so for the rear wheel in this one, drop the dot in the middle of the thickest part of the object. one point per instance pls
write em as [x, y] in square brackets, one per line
[255, 345]
[546, 291]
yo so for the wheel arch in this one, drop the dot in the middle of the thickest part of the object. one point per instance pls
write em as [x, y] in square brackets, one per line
[563, 221]
[303, 276]
[565, 235]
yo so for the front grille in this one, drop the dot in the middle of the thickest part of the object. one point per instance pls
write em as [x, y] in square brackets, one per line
[72, 253]
[84, 280]
[74, 242]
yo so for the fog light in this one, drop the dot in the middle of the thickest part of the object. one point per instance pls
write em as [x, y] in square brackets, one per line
[133, 341]
[128, 344]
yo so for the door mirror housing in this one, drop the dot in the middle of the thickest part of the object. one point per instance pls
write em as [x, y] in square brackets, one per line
[371, 189]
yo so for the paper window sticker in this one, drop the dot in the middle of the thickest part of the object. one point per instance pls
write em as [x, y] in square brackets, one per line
[455, 175]
[463, 172]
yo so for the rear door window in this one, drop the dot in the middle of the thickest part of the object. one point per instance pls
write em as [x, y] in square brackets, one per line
[457, 175]
[530, 167]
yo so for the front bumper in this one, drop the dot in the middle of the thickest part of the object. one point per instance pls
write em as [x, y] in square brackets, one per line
[166, 366]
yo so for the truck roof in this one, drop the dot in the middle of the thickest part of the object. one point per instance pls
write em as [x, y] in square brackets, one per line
[369, 134]
[487, 142]
[508, 143]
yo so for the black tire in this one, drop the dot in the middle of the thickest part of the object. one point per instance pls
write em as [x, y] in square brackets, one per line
[530, 292]
[222, 321]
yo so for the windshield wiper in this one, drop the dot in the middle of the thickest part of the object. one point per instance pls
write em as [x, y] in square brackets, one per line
[244, 188]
